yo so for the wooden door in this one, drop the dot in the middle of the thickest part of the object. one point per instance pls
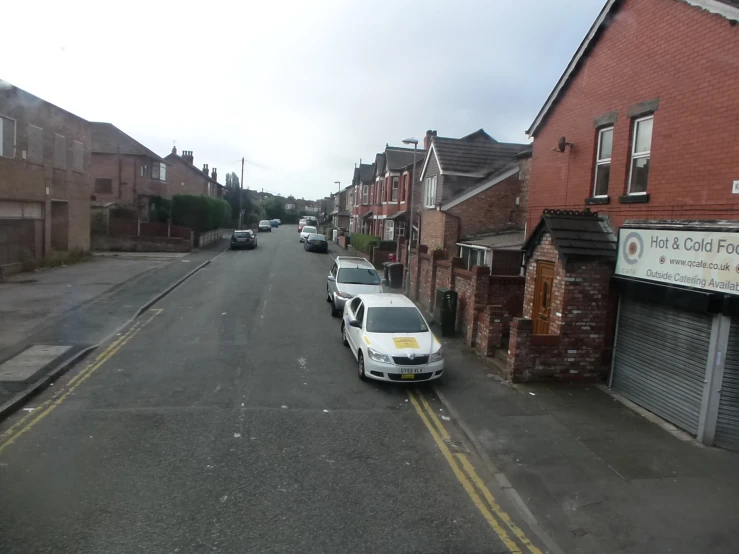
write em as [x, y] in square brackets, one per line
[543, 297]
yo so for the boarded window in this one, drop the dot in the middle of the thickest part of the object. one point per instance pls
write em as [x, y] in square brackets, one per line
[104, 185]
[78, 153]
[7, 134]
[60, 152]
[35, 144]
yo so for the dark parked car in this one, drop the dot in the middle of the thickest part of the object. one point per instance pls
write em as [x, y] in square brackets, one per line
[316, 243]
[243, 239]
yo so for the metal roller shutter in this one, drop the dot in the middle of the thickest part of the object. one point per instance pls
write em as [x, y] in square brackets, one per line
[727, 422]
[660, 360]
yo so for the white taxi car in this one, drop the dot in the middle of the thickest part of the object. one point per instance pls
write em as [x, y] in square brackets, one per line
[390, 339]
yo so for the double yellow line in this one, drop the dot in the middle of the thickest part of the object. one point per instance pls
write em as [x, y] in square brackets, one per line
[465, 472]
[27, 422]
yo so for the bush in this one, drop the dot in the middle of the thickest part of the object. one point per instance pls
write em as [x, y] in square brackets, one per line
[387, 245]
[364, 243]
[200, 213]
[161, 210]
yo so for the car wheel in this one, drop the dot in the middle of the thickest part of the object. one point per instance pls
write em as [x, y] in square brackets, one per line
[328, 295]
[334, 310]
[360, 367]
[344, 340]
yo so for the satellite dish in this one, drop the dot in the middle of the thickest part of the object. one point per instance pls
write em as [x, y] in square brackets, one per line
[562, 144]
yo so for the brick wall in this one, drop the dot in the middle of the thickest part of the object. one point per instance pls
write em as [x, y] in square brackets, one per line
[41, 183]
[507, 291]
[126, 180]
[577, 346]
[688, 60]
[492, 210]
[183, 179]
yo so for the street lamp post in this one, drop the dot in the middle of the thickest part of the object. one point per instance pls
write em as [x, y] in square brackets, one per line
[414, 142]
[241, 189]
[338, 195]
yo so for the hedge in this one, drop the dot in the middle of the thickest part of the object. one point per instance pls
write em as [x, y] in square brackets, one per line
[364, 243]
[200, 213]
[387, 245]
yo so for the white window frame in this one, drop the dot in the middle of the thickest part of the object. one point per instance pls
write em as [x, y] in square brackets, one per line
[383, 191]
[162, 173]
[389, 229]
[4, 118]
[602, 162]
[480, 251]
[365, 194]
[394, 189]
[639, 155]
[405, 181]
[400, 228]
[429, 200]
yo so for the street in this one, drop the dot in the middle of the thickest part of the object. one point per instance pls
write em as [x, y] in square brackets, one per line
[229, 418]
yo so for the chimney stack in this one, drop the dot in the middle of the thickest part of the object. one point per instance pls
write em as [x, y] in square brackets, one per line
[214, 174]
[187, 156]
[205, 169]
[427, 139]
[174, 150]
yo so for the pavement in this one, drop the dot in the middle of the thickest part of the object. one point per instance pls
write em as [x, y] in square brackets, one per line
[228, 417]
[77, 307]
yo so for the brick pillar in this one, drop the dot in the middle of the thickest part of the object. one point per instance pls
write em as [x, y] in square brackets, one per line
[478, 300]
[519, 346]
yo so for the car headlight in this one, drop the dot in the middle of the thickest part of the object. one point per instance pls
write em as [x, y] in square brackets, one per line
[437, 356]
[378, 356]
[343, 294]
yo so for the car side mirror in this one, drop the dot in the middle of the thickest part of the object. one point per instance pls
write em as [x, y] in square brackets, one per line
[331, 278]
[355, 323]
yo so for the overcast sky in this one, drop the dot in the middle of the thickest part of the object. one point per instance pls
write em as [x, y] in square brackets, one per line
[302, 89]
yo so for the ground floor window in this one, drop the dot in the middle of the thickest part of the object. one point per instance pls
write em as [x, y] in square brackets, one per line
[400, 229]
[472, 256]
[389, 229]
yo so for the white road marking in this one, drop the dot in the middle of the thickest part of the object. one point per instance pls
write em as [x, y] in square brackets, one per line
[237, 435]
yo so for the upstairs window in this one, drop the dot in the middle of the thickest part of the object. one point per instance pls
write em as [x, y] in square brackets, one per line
[430, 192]
[641, 148]
[7, 137]
[395, 189]
[103, 186]
[60, 152]
[78, 156]
[35, 144]
[365, 194]
[603, 162]
[159, 171]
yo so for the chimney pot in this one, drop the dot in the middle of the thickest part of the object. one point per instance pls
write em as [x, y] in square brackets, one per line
[174, 150]
[214, 174]
[205, 169]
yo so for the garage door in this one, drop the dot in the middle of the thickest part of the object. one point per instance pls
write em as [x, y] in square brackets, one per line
[660, 360]
[727, 422]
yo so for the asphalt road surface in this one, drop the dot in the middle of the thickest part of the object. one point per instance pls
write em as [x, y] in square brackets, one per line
[230, 418]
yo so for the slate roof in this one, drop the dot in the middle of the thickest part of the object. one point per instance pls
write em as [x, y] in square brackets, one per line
[379, 164]
[398, 158]
[109, 139]
[575, 233]
[474, 156]
[500, 241]
[366, 173]
[398, 215]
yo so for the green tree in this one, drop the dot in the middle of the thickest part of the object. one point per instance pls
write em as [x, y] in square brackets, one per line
[274, 208]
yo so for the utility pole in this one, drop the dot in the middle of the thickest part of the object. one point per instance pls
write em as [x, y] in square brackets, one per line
[241, 190]
[414, 142]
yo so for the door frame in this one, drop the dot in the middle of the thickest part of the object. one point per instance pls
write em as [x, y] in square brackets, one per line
[538, 283]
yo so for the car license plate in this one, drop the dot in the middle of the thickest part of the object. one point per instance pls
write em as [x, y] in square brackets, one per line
[240, 240]
[410, 370]
[408, 376]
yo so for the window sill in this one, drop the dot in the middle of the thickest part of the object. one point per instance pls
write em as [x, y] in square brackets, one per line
[634, 198]
[598, 200]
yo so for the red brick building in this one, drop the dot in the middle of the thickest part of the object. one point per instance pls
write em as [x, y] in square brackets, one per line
[186, 178]
[641, 128]
[124, 171]
[45, 183]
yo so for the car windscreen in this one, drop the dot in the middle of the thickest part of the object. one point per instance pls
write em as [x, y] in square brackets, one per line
[358, 276]
[242, 234]
[264, 222]
[395, 320]
[309, 229]
[317, 237]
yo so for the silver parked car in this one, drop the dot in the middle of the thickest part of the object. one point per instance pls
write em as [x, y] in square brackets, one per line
[350, 276]
[307, 230]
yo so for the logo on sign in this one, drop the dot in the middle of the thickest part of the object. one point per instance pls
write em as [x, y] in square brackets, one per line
[633, 248]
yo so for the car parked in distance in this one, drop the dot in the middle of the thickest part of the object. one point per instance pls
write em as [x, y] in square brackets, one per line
[274, 223]
[302, 223]
[279, 222]
[265, 225]
[310, 220]
[307, 230]
[243, 239]
[348, 277]
[390, 339]
[316, 243]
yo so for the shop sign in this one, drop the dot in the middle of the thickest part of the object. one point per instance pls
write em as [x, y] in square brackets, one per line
[705, 260]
